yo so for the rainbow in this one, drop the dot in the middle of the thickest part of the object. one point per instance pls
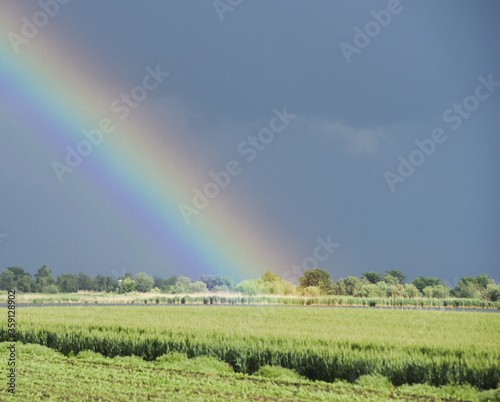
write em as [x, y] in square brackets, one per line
[45, 89]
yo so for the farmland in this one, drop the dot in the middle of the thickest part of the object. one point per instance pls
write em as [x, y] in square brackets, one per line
[323, 345]
[47, 374]
[233, 298]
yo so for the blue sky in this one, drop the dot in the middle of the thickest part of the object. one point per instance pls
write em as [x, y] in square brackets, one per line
[326, 174]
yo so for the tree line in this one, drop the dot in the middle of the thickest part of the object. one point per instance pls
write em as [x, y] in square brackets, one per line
[313, 283]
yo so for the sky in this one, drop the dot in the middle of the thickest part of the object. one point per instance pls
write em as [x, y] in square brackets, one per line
[237, 137]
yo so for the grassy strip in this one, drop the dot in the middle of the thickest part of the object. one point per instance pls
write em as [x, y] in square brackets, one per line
[232, 299]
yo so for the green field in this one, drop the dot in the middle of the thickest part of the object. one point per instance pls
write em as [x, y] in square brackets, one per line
[45, 374]
[376, 352]
[241, 299]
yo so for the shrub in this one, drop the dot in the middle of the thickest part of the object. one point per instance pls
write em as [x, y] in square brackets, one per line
[428, 291]
[52, 289]
[371, 290]
[128, 285]
[492, 292]
[144, 282]
[197, 287]
[312, 291]
[411, 291]
[249, 287]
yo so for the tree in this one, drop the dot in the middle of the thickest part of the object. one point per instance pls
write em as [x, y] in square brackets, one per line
[422, 282]
[396, 273]
[290, 288]
[371, 290]
[44, 273]
[111, 283]
[319, 278]
[372, 277]
[26, 284]
[22, 279]
[441, 291]
[224, 281]
[492, 292]
[397, 290]
[271, 288]
[411, 291]
[391, 280]
[428, 291]
[339, 288]
[172, 280]
[467, 288]
[197, 287]
[386, 288]
[270, 283]
[84, 281]
[44, 278]
[217, 282]
[181, 285]
[482, 281]
[209, 280]
[7, 280]
[353, 285]
[248, 287]
[67, 283]
[228, 281]
[99, 283]
[128, 285]
[165, 284]
[270, 277]
[18, 272]
[160, 283]
[143, 282]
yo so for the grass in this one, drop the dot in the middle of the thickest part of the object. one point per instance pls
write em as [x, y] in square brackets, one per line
[238, 298]
[44, 374]
[407, 347]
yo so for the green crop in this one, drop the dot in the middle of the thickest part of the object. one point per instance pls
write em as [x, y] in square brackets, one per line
[44, 374]
[407, 347]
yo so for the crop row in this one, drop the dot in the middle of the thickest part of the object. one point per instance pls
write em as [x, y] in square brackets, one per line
[326, 364]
